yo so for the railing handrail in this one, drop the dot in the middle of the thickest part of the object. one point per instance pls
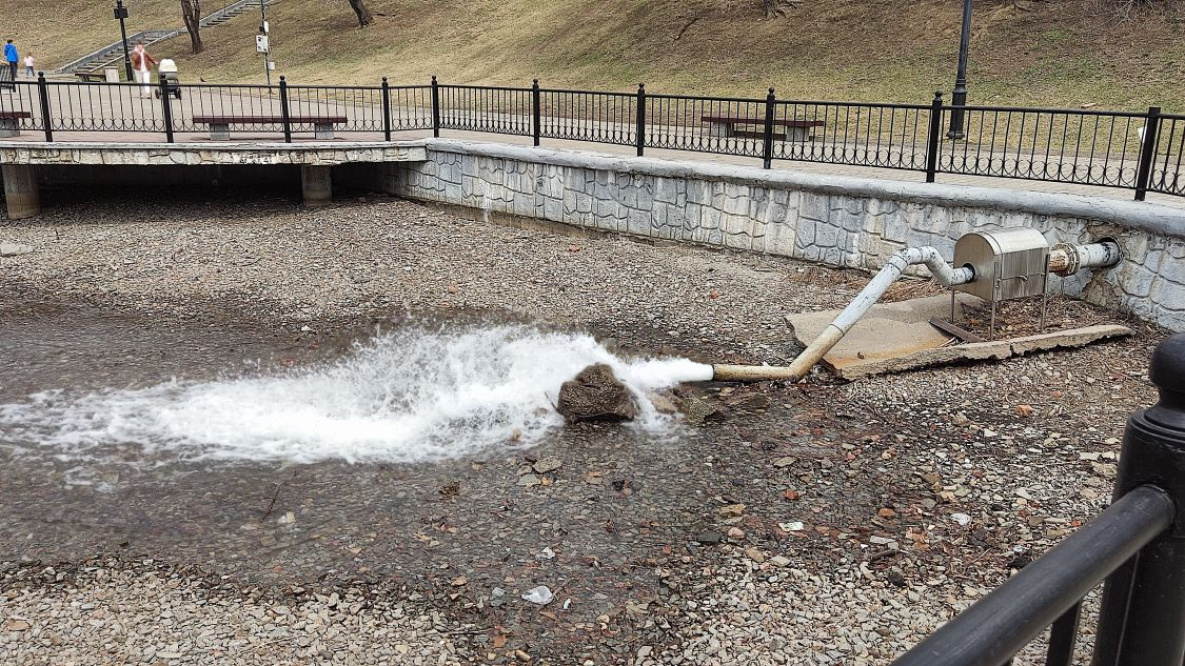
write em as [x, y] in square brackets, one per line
[1002, 623]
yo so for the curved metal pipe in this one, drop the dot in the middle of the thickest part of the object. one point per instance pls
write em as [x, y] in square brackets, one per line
[1069, 258]
[843, 323]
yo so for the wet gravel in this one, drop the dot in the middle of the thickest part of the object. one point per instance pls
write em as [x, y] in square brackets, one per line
[823, 523]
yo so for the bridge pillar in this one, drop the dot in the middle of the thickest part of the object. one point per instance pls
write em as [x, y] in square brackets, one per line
[20, 191]
[316, 185]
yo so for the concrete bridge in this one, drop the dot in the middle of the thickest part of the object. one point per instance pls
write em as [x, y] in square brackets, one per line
[26, 165]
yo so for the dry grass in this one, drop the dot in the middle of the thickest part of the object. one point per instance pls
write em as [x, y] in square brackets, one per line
[1058, 54]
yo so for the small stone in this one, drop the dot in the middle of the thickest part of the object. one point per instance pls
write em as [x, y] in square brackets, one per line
[960, 419]
[709, 538]
[540, 596]
[546, 465]
[1025, 411]
[784, 462]
[16, 625]
[529, 480]
[736, 533]
[596, 394]
[644, 651]
[731, 511]
[780, 561]
[793, 526]
[755, 555]
[961, 518]
[460, 581]
[886, 512]
[14, 249]
[545, 554]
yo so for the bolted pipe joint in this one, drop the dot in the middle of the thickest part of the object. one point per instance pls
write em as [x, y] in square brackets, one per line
[1069, 258]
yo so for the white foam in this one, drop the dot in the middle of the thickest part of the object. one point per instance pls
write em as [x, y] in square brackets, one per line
[404, 397]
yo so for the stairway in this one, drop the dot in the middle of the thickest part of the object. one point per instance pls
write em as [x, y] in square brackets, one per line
[113, 53]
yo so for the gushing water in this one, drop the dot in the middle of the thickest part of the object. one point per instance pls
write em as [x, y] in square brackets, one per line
[403, 397]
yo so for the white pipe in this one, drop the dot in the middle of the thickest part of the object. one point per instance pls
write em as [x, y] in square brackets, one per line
[850, 315]
[1069, 258]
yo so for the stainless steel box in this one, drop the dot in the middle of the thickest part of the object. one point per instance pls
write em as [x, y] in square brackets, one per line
[1008, 263]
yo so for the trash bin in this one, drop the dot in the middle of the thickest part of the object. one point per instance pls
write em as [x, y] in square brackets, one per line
[111, 74]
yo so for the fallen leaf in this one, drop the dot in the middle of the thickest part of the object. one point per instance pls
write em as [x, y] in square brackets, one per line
[499, 641]
[792, 495]
[459, 581]
[1025, 410]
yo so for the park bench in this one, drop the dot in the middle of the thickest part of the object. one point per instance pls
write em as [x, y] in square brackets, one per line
[90, 76]
[790, 130]
[220, 125]
[10, 122]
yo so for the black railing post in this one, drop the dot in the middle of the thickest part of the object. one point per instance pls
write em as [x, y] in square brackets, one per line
[435, 108]
[386, 110]
[1148, 152]
[767, 146]
[285, 115]
[641, 118]
[1142, 617]
[536, 112]
[162, 85]
[43, 95]
[934, 138]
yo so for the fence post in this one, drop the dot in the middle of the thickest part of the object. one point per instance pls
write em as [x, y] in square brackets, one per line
[536, 112]
[934, 137]
[435, 108]
[767, 147]
[43, 95]
[166, 107]
[386, 110]
[1142, 617]
[1148, 152]
[285, 115]
[641, 118]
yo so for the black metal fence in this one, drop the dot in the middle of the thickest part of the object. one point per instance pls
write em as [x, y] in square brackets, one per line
[1137, 545]
[1136, 151]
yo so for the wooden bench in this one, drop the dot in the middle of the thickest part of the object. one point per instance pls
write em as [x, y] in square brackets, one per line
[220, 125]
[790, 130]
[10, 122]
[90, 77]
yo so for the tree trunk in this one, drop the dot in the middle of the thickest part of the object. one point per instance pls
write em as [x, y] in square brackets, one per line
[191, 13]
[365, 18]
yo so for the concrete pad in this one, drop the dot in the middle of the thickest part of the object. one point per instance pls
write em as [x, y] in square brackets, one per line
[14, 249]
[895, 337]
[889, 331]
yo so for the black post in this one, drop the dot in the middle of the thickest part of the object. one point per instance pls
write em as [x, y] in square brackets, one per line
[641, 117]
[536, 112]
[43, 95]
[166, 107]
[934, 137]
[386, 110]
[121, 13]
[958, 98]
[767, 148]
[284, 114]
[435, 108]
[1148, 152]
[1142, 617]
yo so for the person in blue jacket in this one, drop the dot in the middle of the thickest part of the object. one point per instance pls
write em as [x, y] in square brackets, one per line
[11, 59]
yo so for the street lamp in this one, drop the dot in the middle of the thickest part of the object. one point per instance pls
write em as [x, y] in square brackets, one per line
[959, 94]
[121, 13]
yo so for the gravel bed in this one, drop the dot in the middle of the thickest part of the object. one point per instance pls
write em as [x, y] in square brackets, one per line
[823, 523]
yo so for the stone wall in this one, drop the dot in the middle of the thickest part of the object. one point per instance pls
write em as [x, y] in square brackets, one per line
[838, 221]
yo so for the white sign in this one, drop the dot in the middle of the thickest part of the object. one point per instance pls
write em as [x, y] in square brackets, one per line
[261, 43]
[271, 64]
[266, 28]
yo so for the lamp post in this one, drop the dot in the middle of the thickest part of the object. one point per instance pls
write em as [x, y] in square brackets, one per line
[959, 94]
[121, 13]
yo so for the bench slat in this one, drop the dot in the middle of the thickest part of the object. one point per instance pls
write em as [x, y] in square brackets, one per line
[243, 120]
[761, 121]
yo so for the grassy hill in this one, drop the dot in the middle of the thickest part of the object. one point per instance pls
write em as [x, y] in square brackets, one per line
[1055, 53]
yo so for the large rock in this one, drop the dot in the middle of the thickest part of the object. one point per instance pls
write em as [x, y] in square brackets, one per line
[596, 395]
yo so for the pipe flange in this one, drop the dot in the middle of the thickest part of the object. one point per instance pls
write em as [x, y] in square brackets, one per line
[1072, 256]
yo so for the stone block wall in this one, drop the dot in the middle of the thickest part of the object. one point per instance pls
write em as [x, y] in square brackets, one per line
[837, 221]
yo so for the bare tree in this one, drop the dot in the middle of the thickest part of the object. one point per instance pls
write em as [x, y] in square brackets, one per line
[191, 13]
[365, 18]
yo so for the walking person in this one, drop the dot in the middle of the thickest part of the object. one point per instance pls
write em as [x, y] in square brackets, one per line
[29, 66]
[142, 63]
[11, 59]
